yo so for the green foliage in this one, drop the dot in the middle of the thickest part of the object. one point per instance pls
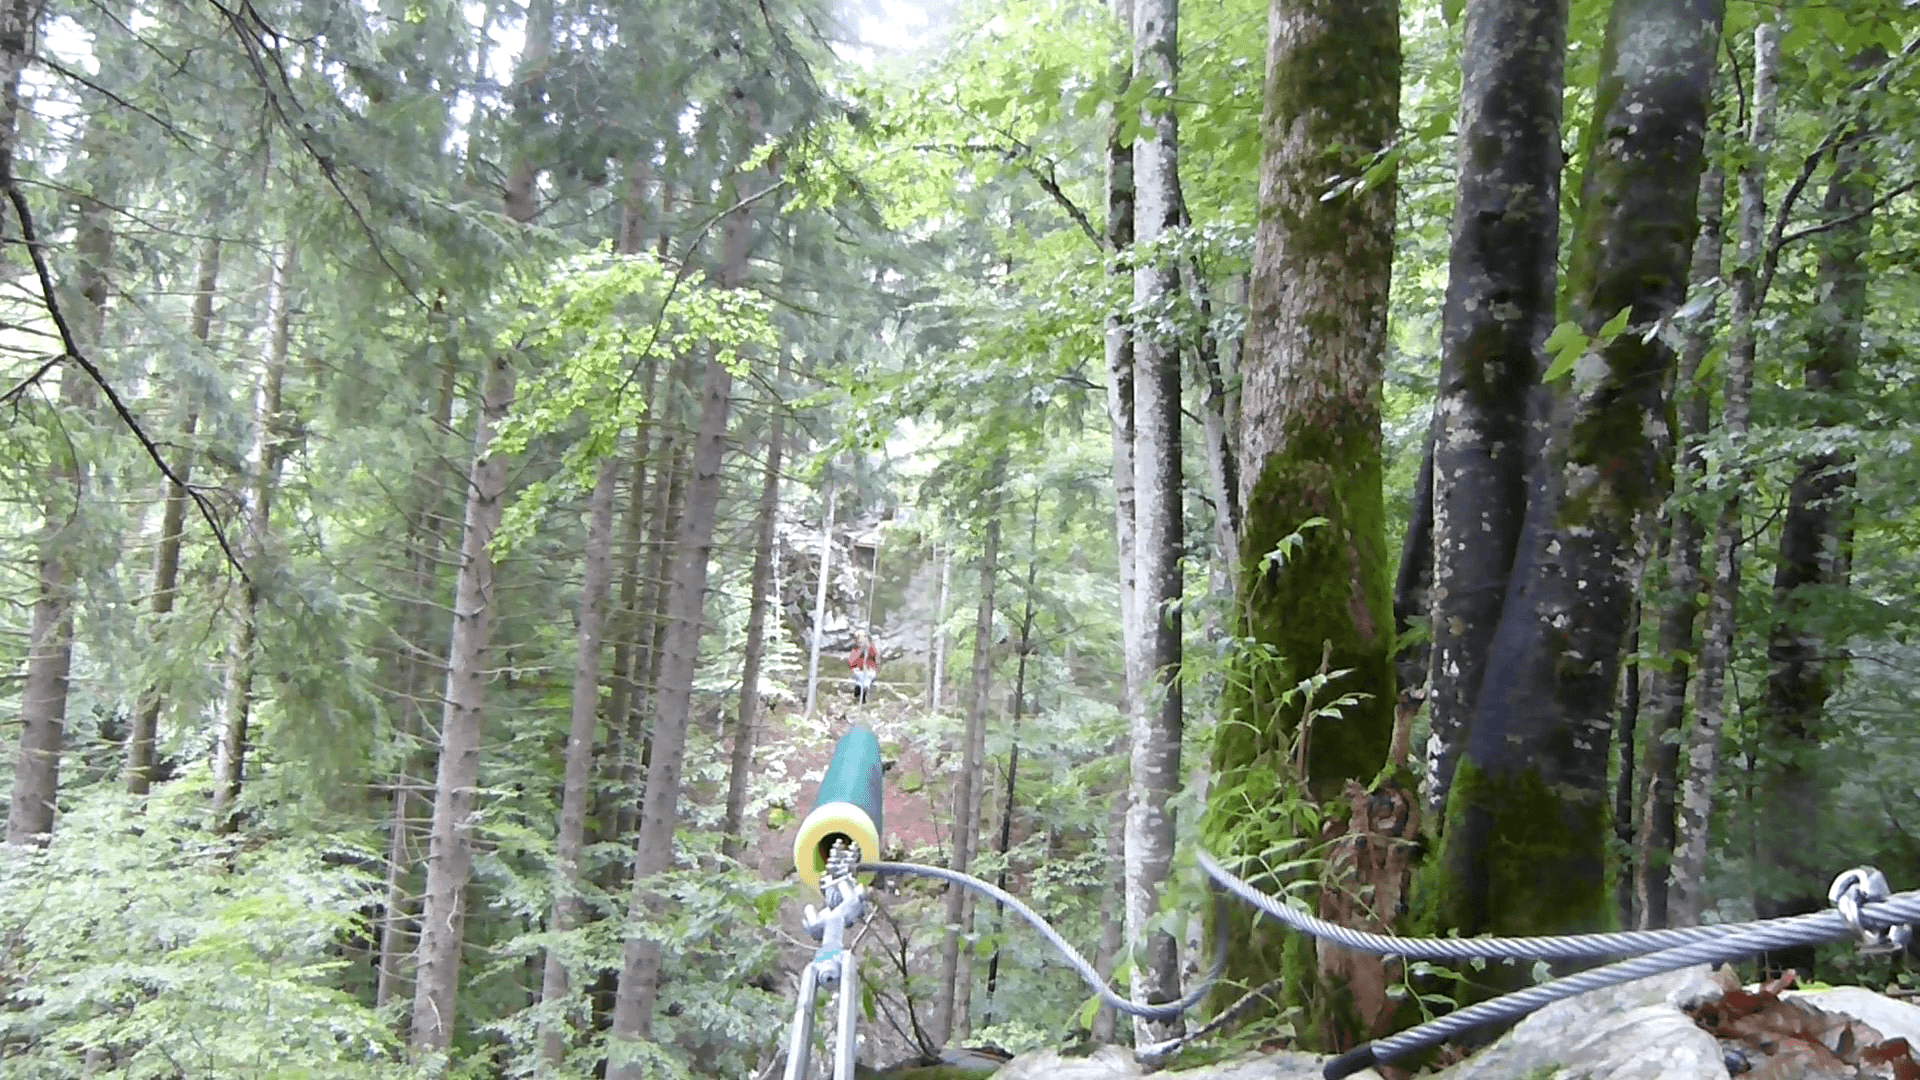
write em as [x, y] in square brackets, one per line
[137, 946]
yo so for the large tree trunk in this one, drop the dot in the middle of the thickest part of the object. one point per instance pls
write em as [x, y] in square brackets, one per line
[1501, 293]
[1801, 671]
[1310, 447]
[1526, 835]
[639, 985]
[229, 769]
[1687, 898]
[595, 579]
[732, 828]
[951, 997]
[173, 518]
[1667, 697]
[1158, 509]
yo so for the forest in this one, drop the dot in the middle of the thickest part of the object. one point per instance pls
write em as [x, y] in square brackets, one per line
[1451, 458]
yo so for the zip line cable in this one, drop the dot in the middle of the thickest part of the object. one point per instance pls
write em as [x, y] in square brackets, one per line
[844, 826]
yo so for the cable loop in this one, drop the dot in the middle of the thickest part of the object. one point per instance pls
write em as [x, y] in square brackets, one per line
[1866, 885]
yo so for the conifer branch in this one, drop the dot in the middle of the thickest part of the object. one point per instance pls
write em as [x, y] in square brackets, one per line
[132, 423]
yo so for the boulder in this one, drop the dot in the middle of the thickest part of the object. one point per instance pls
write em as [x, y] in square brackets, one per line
[1634, 1031]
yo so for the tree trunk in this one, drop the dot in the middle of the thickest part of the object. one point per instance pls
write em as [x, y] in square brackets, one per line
[43, 694]
[1668, 695]
[1413, 586]
[1158, 514]
[732, 828]
[1106, 955]
[230, 757]
[1119, 356]
[1013, 748]
[596, 576]
[952, 1001]
[1310, 447]
[820, 598]
[1801, 673]
[450, 847]
[173, 516]
[425, 542]
[639, 985]
[937, 646]
[1526, 833]
[1501, 293]
[1687, 899]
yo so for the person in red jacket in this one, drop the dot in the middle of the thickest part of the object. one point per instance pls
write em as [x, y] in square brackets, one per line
[865, 662]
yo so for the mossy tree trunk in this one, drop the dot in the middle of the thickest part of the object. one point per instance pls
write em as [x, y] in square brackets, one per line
[1525, 848]
[1502, 278]
[1310, 447]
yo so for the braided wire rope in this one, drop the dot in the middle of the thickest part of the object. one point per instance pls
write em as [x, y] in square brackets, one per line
[1676, 949]
[1086, 971]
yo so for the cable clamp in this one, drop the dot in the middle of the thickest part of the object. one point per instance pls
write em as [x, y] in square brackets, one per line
[1866, 885]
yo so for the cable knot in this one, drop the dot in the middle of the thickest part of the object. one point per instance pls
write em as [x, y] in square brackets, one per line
[1866, 885]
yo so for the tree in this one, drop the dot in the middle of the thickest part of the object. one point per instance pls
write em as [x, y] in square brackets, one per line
[1524, 849]
[1310, 450]
[1158, 540]
[1502, 279]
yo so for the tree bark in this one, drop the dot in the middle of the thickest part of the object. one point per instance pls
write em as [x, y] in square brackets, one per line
[1310, 447]
[938, 645]
[820, 596]
[595, 579]
[1667, 696]
[1500, 307]
[952, 1002]
[450, 844]
[173, 515]
[1801, 673]
[639, 985]
[732, 830]
[1526, 832]
[43, 692]
[1687, 899]
[269, 451]
[1119, 346]
[1158, 513]
[1013, 747]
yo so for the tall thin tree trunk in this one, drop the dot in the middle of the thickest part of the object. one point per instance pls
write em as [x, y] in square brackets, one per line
[639, 985]
[231, 749]
[43, 693]
[1801, 674]
[595, 579]
[1106, 955]
[820, 597]
[1668, 694]
[937, 645]
[173, 516]
[1013, 736]
[426, 537]
[450, 846]
[732, 830]
[269, 451]
[1158, 515]
[1502, 282]
[1686, 899]
[951, 1000]
[1119, 347]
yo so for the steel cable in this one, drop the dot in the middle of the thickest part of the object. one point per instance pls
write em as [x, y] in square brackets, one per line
[1086, 971]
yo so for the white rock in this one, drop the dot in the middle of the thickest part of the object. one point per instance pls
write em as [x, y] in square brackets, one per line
[1892, 1019]
[1634, 1031]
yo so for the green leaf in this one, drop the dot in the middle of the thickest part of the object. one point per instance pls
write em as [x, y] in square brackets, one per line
[1616, 324]
[1566, 343]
